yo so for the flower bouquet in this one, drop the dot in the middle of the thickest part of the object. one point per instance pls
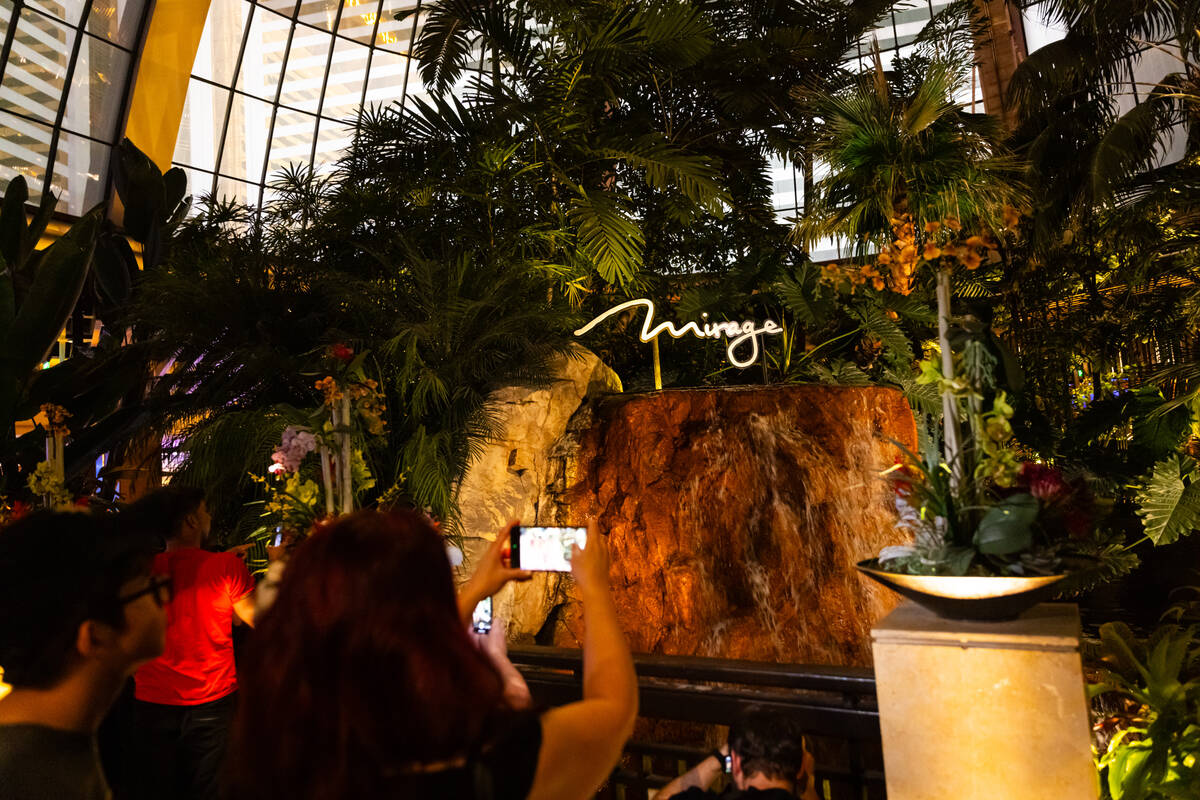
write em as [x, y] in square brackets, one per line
[989, 532]
[318, 471]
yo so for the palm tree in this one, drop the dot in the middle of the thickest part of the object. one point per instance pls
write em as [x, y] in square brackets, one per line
[459, 230]
[904, 162]
[650, 123]
[1119, 192]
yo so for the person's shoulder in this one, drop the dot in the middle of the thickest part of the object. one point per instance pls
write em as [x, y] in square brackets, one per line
[695, 793]
[37, 761]
[223, 562]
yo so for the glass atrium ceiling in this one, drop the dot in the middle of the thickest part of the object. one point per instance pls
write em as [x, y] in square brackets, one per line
[274, 84]
[65, 70]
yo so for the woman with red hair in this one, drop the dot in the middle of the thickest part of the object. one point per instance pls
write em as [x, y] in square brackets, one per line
[363, 681]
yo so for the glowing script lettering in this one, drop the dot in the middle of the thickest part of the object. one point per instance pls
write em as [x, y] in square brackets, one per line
[738, 333]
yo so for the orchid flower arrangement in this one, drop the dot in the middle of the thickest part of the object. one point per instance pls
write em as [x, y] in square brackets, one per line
[983, 509]
[318, 470]
[977, 507]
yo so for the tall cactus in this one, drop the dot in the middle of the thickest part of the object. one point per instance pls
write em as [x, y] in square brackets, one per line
[38, 290]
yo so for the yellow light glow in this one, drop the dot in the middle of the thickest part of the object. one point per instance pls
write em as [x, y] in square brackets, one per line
[387, 37]
[973, 587]
[738, 333]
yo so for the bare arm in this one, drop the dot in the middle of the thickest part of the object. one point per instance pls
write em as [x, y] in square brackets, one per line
[581, 742]
[494, 644]
[700, 776]
[244, 609]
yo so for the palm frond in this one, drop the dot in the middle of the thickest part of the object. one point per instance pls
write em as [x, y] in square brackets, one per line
[607, 234]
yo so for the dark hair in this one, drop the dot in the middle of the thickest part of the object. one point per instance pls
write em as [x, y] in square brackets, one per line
[361, 667]
[58, 570]
[163, 512]
[768, 742]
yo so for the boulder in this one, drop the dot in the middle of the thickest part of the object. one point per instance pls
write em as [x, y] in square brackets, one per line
[508, 480]
[735, 516]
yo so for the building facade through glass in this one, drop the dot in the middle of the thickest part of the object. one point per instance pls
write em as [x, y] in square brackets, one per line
[275, 84]
[66, 68]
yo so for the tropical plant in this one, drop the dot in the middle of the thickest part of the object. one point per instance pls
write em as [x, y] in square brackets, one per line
[38, 291]
[455, 235]
[1115, 165]
[1154, 753]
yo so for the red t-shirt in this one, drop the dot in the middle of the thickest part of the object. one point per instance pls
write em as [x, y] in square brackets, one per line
[197, 664]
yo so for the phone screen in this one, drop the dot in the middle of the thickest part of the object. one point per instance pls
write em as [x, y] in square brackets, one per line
[481, 617]
[278, 540]
[546, 549]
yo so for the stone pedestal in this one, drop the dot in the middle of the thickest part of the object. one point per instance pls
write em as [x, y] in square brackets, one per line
[983, 710]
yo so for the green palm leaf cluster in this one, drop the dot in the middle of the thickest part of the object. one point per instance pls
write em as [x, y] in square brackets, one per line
[921, 154]
[460, 230]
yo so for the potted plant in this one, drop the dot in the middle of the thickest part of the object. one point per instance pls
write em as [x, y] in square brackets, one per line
[991, 532]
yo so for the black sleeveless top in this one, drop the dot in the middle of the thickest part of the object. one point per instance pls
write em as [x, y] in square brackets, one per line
[499, 767]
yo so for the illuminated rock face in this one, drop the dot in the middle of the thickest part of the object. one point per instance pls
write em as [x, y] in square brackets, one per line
[736, 517]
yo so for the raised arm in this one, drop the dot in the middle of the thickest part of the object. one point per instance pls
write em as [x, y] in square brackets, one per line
[494, 645]
[581, 742]
[490, 575]
[701, 776]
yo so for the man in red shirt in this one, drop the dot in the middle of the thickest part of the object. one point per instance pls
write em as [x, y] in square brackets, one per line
[185, 699]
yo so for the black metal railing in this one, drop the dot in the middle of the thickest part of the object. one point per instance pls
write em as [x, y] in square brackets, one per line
[836, 705]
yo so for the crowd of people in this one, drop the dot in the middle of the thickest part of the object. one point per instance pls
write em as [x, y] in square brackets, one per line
[362, 677]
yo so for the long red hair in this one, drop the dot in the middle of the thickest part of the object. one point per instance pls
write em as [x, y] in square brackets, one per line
[361, 667]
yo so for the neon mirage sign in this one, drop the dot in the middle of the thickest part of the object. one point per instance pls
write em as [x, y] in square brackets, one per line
[739, 333]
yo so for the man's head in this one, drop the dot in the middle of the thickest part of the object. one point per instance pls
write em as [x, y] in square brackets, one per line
[767, 744]
[75, 593]
[176, 514]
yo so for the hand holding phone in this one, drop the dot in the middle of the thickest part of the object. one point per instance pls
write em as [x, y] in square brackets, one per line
[491, 572]
[590, 565]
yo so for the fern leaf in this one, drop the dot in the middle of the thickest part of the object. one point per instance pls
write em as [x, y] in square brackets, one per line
[667, 164]
[802, 295]
[875, 322]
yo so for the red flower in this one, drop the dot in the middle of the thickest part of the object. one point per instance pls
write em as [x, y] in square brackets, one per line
[1043, 482]
[20, 508]
[342, 352]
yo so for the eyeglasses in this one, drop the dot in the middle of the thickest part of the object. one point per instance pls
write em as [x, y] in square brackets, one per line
[160, 587]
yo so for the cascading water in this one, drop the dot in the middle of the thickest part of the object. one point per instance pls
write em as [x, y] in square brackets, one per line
[736, 516]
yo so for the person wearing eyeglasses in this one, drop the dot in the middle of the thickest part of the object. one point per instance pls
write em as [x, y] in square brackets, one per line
[184, 700]
[79, 612]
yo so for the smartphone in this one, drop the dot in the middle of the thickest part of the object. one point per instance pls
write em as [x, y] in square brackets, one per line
[278, 540]
[481, 617]
[545, 549]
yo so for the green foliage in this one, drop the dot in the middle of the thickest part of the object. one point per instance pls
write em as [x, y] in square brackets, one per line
[1007, 527]
[1156, 753]
[38, 292]
[891, 154]
[1169, 502]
